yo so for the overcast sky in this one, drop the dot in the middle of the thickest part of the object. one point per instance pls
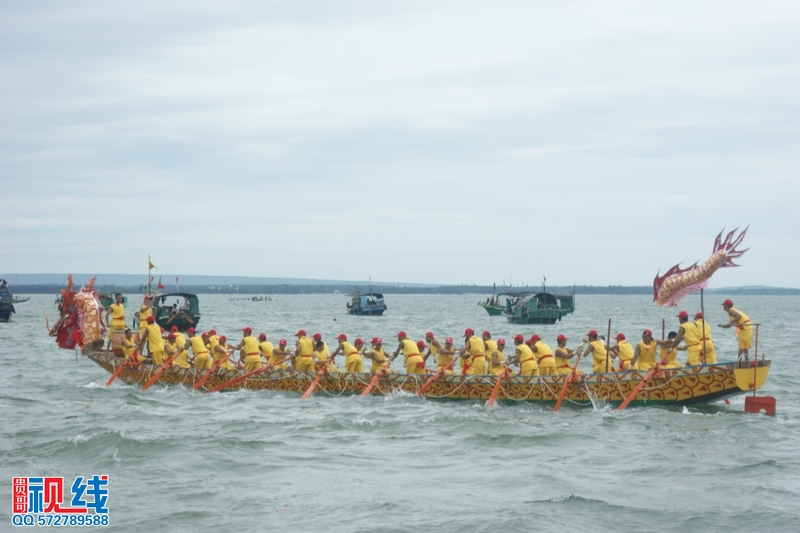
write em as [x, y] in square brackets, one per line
[440, 142]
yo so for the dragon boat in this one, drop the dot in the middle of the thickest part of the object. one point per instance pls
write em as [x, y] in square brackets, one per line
[680, 386]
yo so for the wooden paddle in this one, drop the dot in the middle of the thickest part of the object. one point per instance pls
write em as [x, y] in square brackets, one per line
[237, 379]
[374, 381]
[213, 368]
[436, 376]
[121, 366]
[567, 382]
[161, 370]
[641, 384]
[313, 385]
[496, 390]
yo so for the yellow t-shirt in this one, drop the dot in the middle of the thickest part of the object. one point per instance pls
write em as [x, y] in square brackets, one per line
[647, 355]
[155, 343]
[117, 312]
[544, 354]
[599, 355]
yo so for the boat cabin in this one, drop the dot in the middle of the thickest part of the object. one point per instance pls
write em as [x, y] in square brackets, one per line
[180, 309]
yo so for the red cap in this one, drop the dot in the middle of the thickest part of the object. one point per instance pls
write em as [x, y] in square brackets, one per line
[148, 297]
[535, 338]
[420, 344]
[448, 340]
[301, 333]
[190, 330]
[698, 315]
[501, 341]
[592, 333]
[223, 338]
[282, 341]
[204, 334]
[341, 337]
[729, 303]
[519, 338]
[317, 336]
[469, 332]
[429, 334]
[648, 333]
[561, 337]
[375, 340]
[171, 336]
[682, 314]
[358, 341]
[401, 334]
[262, 336]
[247, 330]
[173, 328]
[620, 336]
[212, 332]
[151, 319]
[486, 333]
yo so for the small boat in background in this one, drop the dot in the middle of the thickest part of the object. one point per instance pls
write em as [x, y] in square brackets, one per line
[108, 298]
[496, 305]
[19, 300]
[540, 308]
[370, 304]
[184, 314]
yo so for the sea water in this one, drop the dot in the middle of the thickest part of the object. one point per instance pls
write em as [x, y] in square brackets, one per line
[180, 460]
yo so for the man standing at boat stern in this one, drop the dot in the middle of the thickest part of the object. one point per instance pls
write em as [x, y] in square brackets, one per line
[155, 342]
[688, 332]
[744, 331]
[117, 312]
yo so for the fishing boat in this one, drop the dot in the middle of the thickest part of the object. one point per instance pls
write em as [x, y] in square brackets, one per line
[369, 304]
[108, 298]
[20, 300]
[670, 386]
[495, 305]
[6, 302]
[540, 308]
[184, 313]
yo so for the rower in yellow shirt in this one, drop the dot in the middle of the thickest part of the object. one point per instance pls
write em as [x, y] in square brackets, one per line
[281, 353]
[318, 337]
[179, 342]
[497, 359]
[744, 330]
[145, 312]
[624, 351]
[413, 359]
[117, 312]
[489, 347]
[267, 351]
[644, 356]
[304, 350]
[433, 347]
[688, 332]
[544, 355]
[473, 358]
[155, 342]
[222, 353]
[666, 348]
[129, 350]
[563, 356]
[445, 356]
[378, 356]
[201, 358]
[601, 360]
[250, 353]
[353, 361]
[322, 359]
[524, 358]
[708, 353]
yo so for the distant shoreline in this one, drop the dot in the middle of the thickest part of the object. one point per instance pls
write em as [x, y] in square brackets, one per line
[485, 290]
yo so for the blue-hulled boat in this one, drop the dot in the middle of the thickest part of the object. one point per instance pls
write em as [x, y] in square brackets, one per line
[370, 304]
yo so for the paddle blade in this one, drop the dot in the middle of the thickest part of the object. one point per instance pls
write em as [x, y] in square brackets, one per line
[160, 371]
[640, 386]
[116, 373]
[373, 383]
[566, 383]
[237, 379]
[436, 376]
[313, 385]
[496, 390]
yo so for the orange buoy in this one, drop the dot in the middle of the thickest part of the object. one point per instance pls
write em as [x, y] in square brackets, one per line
[759, 404]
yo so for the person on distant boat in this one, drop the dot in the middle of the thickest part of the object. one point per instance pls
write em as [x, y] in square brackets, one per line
[744, 331]
[222, 353]
[281, 353]
[129, 348]
[353, 361]
[250, 353]
[445, 355]
[202, 361]
[433, 347]
[524, 358]
[688, 332]
[117, 312]
[155, 342]
[322, 359]
[708, 353]
[601, 361]
[624, 352]
[544, 355]
[304, 349]
[179, 343]
[473, 357]
[644, 356]
[497, 359]
[563, 356]
[377, 356]
[413, 360]
[489, 347]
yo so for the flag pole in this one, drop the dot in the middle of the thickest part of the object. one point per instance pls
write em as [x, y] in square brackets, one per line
[149, 266]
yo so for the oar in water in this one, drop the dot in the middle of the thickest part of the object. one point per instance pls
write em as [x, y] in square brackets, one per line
[436, 376]
[214, 367]
[569, 379]
[496, 390]
[313, 385]
[641, 384]
[237, 379]
[374, 381]
[161, 370]
[121, 367]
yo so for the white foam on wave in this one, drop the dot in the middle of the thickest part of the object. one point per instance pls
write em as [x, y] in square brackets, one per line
[93, 385]
[80, 438]
[361, 421]
[685, 411]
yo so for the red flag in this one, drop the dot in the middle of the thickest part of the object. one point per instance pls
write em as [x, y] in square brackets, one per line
[159, 286]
